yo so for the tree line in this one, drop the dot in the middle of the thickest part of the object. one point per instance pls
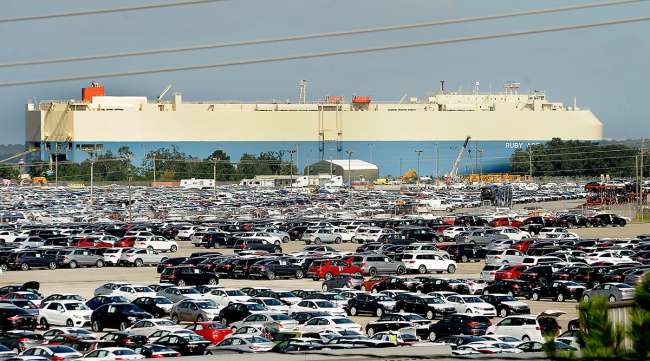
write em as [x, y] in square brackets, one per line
[576, 158]
[168, 164]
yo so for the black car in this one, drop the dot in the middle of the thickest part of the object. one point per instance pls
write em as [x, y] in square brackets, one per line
[170, 262]
[507, 305]
[186, 345]
[305, 316]
[608, 219]
[116, 315]
[123, 339]
[97, 301]
[558, 291]
[342, 281]
[419, 234]
[240, 267]
[155, 351]
[427, 306]
[31, 286]
[515, 288]
[238, 311]
[214, 240]
[573, 220]
[428, 285]
[396, 321]
[255, 244]
[537, 274]
[188, 276]
[274, 268]
[458, 324]
[368, 303]
[470, 221]
[14, 318]
[20, 340]
[392, 283]
[158, 306]
[25, 260]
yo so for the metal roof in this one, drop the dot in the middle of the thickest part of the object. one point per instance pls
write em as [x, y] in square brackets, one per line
[353, 164]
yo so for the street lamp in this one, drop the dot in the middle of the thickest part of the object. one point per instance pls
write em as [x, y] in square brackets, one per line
[291, 152]
[349, 153]
[419, 152]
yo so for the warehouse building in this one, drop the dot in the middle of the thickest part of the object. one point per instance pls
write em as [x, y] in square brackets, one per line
[362, 171]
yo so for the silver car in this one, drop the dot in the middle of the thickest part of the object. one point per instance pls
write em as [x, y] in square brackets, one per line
[321, 235]
[612, 291]
[177, 294]
[194, 311]
[278, 319]
[373, 264]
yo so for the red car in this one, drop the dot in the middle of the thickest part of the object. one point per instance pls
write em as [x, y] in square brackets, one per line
[368, 284]
[510, 272]
[210, 330]
[523, 245]
[328, 268]
[92, 243]
[126, 242]
[505, 222]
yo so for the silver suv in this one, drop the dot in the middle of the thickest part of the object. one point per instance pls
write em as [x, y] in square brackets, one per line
[373, 264]
[321, 235]
[74, 258]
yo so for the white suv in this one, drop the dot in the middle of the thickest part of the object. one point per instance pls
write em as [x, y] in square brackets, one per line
[425, 262]
[527, 327]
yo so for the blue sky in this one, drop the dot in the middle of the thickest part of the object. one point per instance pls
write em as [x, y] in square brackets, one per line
[605, 68]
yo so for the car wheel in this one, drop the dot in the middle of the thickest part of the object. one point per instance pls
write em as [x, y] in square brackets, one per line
[429, 315]
[277, 250]
[468, 311]
[525, 338]
[300, 274]
[372, 271]
[337, 240]
[315, 278]
[285, 239]
[138, 262]
[97, 327]
[432, 336]
[51, 266]
[353, 311]
[612, 298]
[371, 332]
[357, 274]
[73, 264]
[123, 325]
[24, 267]
[585, 298]
[174, 248]
[270, 275]
[208, 352]
[175, 318]
[328, 276]
[324, 288]
[224, 320]
[99, 263]
[510, 294]
[180, 283]
[451, 269]
[464, 258]
[69, 323]
[44, 324]
[401, 270]
[150, 248]
[213, 281]
[200, 318]
[402, 311]
[622, 223]
[560, 297]
[374, 290]
[316, 240]
[4, 267]
[503, 313]
[535, 296]
[422, 269]
[379, 312]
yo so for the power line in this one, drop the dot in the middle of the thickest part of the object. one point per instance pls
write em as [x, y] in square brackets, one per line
[327, 53]
[106, 11]
[319, 35]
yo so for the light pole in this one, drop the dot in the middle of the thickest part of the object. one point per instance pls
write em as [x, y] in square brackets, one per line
[419, 152]
[92, 179]
[349, 153]
[291, 152]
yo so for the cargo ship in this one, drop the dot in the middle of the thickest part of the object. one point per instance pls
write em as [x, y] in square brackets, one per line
[396, 136]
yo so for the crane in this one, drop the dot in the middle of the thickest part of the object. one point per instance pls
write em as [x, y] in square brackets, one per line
[454, 170]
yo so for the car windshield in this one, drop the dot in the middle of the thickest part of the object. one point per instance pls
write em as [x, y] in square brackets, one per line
[432, 300]
[325, 304]
[506, 298]
[162, 301]
[342, 321]
[142, 289]
[257, 339]
[207, 305]
[62, 349]
[188, 291]
[280, 317]
[235, 293]
[284, 294]
[128, 308]
[191, 337]
[255, 307]
[76, 307]
[472, 300]
[414, 317]
[272, 302]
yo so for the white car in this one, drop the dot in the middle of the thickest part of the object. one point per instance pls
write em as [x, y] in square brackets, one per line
[186, 232]
[8, 236]
[70, 313]
[471, 305]
[131, 292]
[508, 256]
[452, 232]
[548, 232]
[513, 233]
[156, 243]
[148, 326]
[525, 327]
[109, 288]
[112, 256]
[225, 296]
[280, 320]
[54, 352]
[113, 353]
[324, 324]
[425, 262]
[272, 304]
[317, 305]
[510, 340]
[607, 256]
[242, 343]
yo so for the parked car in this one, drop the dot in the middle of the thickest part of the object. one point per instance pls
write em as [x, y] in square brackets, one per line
[459, 324]
[427, 306]
[186, 345]
[426, 262]
[211, 330]
[68, 313]
[194, 311]
[376, 304]
[328, 268]
[116, 315]
[188, 275]
[506, 305]
[25, 260]
[140, 257]
[612, 291]
[14, 318]
[343, 280]
[158, 306]
[527, 327]
[558, 290]
[373, 264]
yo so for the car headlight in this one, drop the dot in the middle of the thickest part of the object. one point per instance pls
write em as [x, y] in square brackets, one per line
[131, 318]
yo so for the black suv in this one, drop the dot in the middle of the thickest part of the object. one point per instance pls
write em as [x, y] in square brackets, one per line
[116, 315]
[396, 321]
[273, 268]
[558, 290]
[254, 244]
[515, 288]
[427, 306]
[188, 276]
[25, 260]
[507, 305]
[14, 318]
[238, 311]
[459, 324]
[367, 303]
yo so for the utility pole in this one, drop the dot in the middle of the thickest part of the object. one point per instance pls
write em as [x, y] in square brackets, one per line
[214, 178]
[349, 153]
[530, 161]
[291, 152]
[419, 152]
[56, 168]
[154, 170]
[437, 162]
[641, 177]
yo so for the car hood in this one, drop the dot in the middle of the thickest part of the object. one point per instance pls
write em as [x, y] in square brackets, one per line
[514, 304]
